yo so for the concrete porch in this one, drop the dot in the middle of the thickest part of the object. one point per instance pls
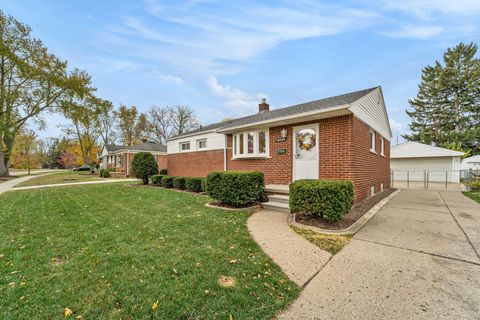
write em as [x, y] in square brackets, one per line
[278, 198]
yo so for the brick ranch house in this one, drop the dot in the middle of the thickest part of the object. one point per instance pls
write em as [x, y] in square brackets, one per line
[341, 137]
[120, 157]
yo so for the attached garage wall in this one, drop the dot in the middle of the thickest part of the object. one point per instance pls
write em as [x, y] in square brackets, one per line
[439, 169]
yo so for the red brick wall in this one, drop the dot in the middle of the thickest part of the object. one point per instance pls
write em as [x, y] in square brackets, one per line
[369, 168]
[195, 164]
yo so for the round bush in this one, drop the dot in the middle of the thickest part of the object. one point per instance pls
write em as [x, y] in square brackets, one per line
[193, 184]
[105, 173]
[144, 166]
[328, 199]
[179, 183]
[157, 178]
[236, 188]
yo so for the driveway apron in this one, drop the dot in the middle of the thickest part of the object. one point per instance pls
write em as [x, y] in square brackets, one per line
[416, 259]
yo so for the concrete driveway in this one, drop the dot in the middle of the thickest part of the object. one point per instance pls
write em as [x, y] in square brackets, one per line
[418, 258]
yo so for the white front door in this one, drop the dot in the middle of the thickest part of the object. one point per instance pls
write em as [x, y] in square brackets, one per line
[305, 152]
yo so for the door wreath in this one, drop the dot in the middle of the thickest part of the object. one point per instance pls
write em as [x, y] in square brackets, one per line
[306, 140]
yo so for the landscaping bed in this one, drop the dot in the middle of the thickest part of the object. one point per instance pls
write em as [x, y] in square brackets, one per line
[353, 215]
[114, 252]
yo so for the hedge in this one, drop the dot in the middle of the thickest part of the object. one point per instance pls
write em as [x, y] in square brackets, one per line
[328, 199]
[203, 186]
[179, 183]
[157, 178]
[476, 185]
[236, 188]
[193, 184]
[163, 172]
[167, 182]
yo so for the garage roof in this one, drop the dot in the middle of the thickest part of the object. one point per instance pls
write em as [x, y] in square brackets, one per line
[412, 149]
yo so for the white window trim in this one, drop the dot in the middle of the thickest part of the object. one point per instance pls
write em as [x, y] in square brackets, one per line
[182, 143]
[382, 146]
[372, 147]
[255, 154]
[198, 144]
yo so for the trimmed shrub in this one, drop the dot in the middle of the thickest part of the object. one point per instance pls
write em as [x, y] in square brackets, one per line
[476, 185]
[179, 183]
[163, 172]
[144, 166]
[328, 199]
[203, 186]
[166, 182]
[193, 184]
[105, 173]
[236, 188]
[157, 178]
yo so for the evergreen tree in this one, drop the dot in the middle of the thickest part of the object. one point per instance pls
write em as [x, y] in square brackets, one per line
[446, 109]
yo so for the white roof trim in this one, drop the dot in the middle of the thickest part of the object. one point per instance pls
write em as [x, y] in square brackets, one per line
[411, 149]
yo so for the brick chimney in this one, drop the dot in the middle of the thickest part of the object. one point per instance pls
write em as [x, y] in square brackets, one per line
[263, 106]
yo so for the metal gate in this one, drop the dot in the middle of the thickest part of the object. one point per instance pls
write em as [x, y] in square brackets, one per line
[460, 180]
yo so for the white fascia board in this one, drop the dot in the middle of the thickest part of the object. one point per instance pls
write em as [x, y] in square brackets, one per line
[189, 135]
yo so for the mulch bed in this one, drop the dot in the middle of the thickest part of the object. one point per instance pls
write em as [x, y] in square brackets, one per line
[358, 211]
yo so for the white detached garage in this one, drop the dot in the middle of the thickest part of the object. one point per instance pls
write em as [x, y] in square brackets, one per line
[417, 161]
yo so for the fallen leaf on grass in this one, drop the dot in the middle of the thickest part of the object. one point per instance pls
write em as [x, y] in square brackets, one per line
[155, 305]
[67, 312]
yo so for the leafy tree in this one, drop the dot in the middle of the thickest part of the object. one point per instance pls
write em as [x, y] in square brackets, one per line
[127, 119]
[32, 80]
[83, 114]
[69, 159]
[25, 151]
[144, 166]
[106, 121]
[446, 109]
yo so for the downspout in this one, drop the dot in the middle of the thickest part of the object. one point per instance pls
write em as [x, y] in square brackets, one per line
[128, 162]
[225, 155]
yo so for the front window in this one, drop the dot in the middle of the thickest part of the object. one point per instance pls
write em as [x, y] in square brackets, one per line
[184, 146]
[251, 144]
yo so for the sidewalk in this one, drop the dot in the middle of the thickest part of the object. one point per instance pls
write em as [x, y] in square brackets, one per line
[8, 185]
[299, 259]
[75, 184]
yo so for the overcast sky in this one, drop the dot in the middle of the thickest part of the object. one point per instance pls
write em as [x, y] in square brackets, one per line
[222, 57]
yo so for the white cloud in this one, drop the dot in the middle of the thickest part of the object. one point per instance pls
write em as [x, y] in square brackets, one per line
[417, 32]
[427, 8]
[169, 78]
[397, 126]
[235, 99]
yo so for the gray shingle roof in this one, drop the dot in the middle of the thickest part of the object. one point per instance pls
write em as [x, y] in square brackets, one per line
[326, 103]
[148, 146]
[300, 108]
[113, 147]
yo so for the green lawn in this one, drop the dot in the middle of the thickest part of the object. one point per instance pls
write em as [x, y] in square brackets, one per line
[111, 251]
[60, 177]
[475, 195]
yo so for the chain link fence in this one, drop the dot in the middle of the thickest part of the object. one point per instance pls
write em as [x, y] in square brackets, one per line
[460, 180]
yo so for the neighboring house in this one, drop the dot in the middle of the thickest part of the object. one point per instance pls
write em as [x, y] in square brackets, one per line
[120, 157]
[416, 158]
[472, 162]
[342, 137]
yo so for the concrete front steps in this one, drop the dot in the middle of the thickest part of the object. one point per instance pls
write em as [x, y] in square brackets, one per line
[277, 198]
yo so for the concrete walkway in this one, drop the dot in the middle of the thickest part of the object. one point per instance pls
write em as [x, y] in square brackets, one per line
[416, 259]
[299, 259]
[8, 185]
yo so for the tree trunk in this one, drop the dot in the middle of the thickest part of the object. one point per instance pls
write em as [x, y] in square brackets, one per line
[3, 160]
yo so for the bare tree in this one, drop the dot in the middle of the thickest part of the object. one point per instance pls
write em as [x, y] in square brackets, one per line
[160, 126]
[183, 119]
